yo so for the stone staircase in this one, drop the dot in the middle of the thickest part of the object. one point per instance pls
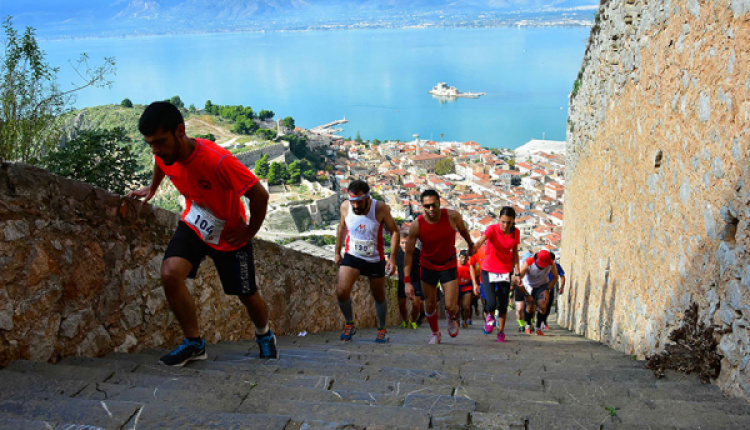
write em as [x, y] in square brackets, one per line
[559, 381]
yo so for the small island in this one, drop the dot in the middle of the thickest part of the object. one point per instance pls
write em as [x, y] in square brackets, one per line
[443, 90]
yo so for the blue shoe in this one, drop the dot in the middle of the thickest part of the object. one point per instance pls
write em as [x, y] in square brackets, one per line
[188, 351]
[382, 336]
[267, 345]
[349, 331]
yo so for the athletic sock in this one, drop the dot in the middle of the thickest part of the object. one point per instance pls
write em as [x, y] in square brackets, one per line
[539, 320]
[381, 310]
[346, 309]
[527, 317]
[521, 323]
[433, 321]
[262, 331]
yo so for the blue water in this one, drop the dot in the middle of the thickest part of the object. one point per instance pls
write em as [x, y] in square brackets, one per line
[378, 79]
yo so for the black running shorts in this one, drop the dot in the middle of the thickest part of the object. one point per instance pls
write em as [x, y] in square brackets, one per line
[236, 268]
[371, 270]
[432, 277]
[417, 289]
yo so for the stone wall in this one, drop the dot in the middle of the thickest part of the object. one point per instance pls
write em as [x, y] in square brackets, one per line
[80, 276]
[249, 158]
[657, 184]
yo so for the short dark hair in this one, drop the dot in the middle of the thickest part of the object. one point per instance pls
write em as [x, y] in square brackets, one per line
[508, 211]
[359, 186]
[428, 193]
[160, 115]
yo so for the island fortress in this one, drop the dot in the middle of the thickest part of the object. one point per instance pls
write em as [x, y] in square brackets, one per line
[443, 90]
[657, 180]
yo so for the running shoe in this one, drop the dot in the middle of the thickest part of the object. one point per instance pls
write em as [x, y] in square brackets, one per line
[421, 318]
[539, 332]
[413, 325]
[489, 324]
[435, 338]
[501, 337]
[521, 328]
[468, 321]
[545, 326]
[453, 325]
[349, 331]
[528, 330]
[267, 345]
[465, 324]
[382, 336]
[188, 351]
[404, 324]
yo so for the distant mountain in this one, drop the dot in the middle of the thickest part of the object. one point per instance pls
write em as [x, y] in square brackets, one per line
[78, 18]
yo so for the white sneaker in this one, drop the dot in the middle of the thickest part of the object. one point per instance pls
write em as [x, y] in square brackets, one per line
[435, 338]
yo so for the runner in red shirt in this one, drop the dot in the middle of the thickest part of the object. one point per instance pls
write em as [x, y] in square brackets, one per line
[463, 273]
[500, 260]
[212, 224]
[436, 229]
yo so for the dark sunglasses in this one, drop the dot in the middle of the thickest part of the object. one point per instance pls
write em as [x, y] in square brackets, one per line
[430, 206]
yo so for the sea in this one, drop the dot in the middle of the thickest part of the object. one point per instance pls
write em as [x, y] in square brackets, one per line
[376, 79]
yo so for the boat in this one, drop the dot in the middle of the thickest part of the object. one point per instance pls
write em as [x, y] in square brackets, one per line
[443, 90]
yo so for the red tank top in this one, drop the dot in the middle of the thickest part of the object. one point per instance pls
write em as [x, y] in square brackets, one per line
[438, 243]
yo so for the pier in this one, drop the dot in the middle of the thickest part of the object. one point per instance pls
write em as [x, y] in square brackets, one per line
[326, 128]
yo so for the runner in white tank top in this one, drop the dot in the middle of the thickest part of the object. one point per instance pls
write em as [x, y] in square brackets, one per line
[361, 231]
[364, 238]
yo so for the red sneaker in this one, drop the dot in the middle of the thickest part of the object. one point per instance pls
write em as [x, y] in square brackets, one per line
[539, 333]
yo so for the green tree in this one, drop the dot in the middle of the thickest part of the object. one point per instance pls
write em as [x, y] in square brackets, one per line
[30, 98]
[288, 123]
[445, 166]
[104, 158]
[177, 102]
[358, 139]
[262, 167]
[208, 107]
[512, 162]
[192, 108]
[376, 142]
[126, 103]
[295, 172]
[277, 173]
[265, 133]
[265, 114]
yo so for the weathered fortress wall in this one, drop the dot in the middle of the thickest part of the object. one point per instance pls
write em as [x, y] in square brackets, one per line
[79, 275]
[657, 187]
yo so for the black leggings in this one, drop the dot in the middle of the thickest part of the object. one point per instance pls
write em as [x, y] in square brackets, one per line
[495, 294]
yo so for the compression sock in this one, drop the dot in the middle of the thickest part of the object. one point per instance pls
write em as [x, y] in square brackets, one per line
[527, 317]
[539, 320]
[433, 321]
[381, 310]
[521, 323]
[346, 309]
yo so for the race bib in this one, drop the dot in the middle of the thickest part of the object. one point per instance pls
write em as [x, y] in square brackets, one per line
[206, 223]
[499, 277]
[363, 248]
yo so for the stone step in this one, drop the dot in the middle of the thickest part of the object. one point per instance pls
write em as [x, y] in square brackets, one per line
[22, 424]
[163, 416]
[351, 413]
[63, 410]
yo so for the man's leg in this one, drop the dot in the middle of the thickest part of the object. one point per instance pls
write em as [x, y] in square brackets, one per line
[258, 311]
[347, 277]
[466, 306]
[377, 288]
[404, 313]
[416, 307]
[174, 272]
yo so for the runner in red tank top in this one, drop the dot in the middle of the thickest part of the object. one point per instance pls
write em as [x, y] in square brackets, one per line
[436, 230]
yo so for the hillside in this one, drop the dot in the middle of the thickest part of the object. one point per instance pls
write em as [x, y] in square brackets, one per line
[55, 18]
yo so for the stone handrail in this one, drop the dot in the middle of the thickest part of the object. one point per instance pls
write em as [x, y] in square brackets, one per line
[81, 276]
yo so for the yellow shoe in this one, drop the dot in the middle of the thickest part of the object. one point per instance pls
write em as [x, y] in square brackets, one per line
[404, 324]
[413, 325]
